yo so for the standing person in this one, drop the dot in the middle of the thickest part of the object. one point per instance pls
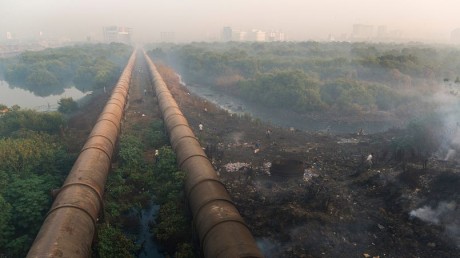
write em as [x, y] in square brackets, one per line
[369, 160]
[257, 147]
[157, 156]
[268, 133]
[200, 126]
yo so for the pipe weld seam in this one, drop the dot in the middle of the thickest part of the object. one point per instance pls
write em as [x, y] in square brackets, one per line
[122, 101]
[98, 148]
[163, 91]
[118, 116]
[120, 89]
[221, 222]
[107, 112]
[203, 181]
[75, 207]
[106, 119]
[92, 188]
[103, 136]
[166, 103]
[121, 85]
[213, 200]
[192, 156]
[176, 142]
[114, 103]
[180, 124]
[173, 115]
[171, 106]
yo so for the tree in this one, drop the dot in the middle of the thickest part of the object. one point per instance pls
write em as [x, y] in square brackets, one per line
[113, 243]
[67, 105]
[22, 120]
[6, 229]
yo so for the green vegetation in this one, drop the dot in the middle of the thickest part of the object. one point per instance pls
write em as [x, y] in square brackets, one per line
[47, 72]
[134, 185]
[113, 243]
[17, 120]
[173, 225]
[67, 105]
[311, 76]
[33, 162]
[33, 146]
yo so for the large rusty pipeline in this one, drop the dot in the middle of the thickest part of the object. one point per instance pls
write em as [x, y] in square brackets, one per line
[220, 227]
[70, 225]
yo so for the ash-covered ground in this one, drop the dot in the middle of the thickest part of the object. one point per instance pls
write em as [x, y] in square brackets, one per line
[306, 194]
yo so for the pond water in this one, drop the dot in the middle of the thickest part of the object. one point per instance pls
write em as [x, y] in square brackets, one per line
[25, 99]
[149, 248]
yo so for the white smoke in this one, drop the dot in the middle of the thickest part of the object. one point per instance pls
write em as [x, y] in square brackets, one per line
[268, 246]
[450, 154]
[446, 214]
[427, 214]
[448, 106]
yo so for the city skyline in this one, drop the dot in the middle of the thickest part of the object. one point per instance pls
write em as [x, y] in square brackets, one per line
[203, 20]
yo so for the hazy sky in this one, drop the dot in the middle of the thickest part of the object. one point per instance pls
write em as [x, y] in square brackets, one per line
[201, 19]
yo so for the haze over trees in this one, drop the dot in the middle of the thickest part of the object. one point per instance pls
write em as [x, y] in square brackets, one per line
[49, 72]
[310, 76]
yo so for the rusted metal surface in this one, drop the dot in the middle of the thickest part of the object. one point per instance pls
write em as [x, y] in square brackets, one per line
[221, 229]
[70, 225]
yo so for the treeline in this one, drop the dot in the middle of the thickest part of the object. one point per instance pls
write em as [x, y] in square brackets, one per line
[34, 161]
[50, 71]
[317, 76]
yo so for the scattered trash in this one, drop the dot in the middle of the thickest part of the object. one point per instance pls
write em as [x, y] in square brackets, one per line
[351, 140]
[233, 167]
[308, 175]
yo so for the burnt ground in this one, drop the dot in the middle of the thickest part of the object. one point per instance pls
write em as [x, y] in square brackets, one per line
[322, 200]
[337, 206]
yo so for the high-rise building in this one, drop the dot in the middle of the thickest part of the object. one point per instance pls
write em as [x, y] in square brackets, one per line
[227, 34]
[362, 32]
[238, 35]
[257, 35]
[8, 35]
[275, 36]
[117, 34]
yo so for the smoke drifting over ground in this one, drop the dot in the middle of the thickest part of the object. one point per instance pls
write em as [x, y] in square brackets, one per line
[448, 103]
[446, 214]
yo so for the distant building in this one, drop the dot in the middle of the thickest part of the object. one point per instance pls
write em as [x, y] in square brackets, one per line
[455, 36]
[362, 32]
[227, 34]
[9, 36]
[230, 34]
[117, 34]
[239, 35]
[257, 35]
[275, 36]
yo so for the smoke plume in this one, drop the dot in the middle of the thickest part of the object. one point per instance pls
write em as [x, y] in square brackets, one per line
[446, 214]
